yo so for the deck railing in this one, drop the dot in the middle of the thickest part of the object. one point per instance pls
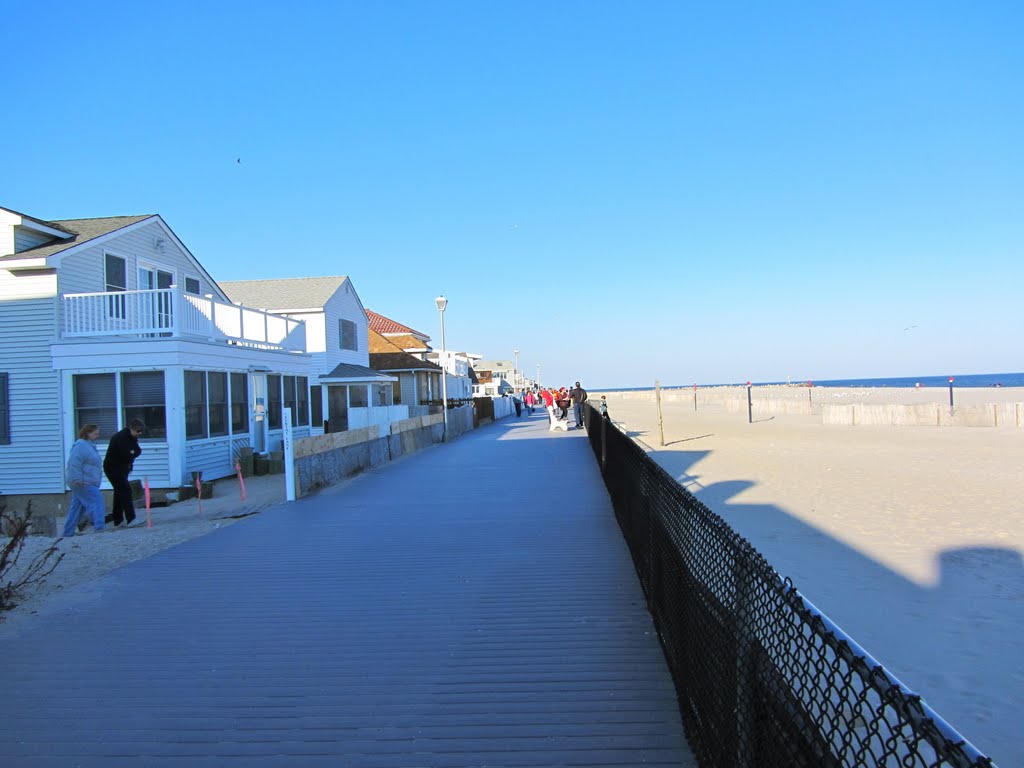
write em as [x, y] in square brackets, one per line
[169, 313]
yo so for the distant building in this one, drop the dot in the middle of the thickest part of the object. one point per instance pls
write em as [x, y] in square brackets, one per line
[456, 364]
[496, 378]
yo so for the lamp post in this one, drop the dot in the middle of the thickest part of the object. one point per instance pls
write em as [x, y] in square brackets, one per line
[515, 373]
[442, 302]
[538, 377]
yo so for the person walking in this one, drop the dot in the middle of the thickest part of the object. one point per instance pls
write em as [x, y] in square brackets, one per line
[84, 474]
[529, 399]
[117, 465]
[579, 396]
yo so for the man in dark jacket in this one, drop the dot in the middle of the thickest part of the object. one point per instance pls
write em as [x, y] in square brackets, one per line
[117, 465]
[579, 396]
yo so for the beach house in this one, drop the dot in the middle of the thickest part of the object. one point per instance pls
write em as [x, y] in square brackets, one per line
[495, 378]
[417, 385]
[419, 381]
[107, 319]
[346, 393]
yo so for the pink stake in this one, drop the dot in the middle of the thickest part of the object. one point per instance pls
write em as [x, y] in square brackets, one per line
[149, 518]
[199, 493]
[241, 482]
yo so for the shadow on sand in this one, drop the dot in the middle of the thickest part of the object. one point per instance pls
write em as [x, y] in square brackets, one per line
[956, 644]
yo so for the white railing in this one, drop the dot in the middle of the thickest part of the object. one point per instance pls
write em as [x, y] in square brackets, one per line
[166, 312]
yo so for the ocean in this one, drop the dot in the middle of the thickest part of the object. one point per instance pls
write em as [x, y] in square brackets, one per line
[959, 380]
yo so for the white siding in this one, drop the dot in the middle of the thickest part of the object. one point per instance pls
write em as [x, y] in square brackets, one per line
[24, 239]
[316, 343]
[212, 457]
[407, 381]
[345, 305]
[151, 465]
[83, 271]
[34, 460]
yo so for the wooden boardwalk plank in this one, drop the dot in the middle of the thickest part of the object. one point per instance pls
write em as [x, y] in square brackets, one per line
[471, 605]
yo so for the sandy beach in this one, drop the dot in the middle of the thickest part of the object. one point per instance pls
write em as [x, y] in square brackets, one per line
[910, 538]
[90, 555]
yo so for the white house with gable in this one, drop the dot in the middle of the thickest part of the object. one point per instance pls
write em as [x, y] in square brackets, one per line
[108, 319]
[346, 392]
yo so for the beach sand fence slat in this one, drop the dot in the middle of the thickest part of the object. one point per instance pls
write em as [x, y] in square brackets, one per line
[763, 677]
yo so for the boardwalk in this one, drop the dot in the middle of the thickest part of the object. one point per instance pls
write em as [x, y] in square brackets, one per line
[472, 605]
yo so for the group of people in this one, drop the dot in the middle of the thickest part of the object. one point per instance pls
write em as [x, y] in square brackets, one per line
[555, 398]
[85, 473]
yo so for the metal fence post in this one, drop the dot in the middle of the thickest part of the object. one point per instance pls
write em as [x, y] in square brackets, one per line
[745, 635]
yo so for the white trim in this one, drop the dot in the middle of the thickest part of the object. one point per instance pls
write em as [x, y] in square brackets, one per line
[99, 240]
[144, 263]
[37, 226]
[202, 270]
[12, 265]
[126, 259]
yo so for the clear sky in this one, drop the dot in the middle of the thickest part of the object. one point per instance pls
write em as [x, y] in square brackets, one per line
[689, 192]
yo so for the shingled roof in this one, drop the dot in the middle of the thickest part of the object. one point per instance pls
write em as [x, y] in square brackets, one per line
[83, 230]
[357, 374]
[386, 356]
[285, 294]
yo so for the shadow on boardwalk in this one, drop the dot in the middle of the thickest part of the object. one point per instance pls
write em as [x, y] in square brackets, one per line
[470, 605]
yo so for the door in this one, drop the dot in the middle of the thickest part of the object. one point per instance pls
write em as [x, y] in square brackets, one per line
[259, 412]
[158, 307]
[337, 409]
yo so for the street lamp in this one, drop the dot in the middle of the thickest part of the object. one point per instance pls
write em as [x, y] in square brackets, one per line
[515, 373]
[442, 302]
[538, 375]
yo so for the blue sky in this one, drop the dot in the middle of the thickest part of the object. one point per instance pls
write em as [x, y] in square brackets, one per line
[688, 192]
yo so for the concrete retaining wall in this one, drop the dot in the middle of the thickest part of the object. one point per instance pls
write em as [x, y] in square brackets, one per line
[924, 415]
[847, 407]
[323, 460]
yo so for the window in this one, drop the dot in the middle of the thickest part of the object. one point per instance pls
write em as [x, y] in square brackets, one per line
[302, 401]
[357, 396]
[192, 285]
[289, 397]
[195, 405]
[274, 401]
[382, 394]
[96, 402]
[116, 280]
[239, 403]
[316, 406]
[349, 339]
[217, 387]
[5, 412]
[142, 397]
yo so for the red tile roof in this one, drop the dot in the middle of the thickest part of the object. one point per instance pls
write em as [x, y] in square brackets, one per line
[385, 325]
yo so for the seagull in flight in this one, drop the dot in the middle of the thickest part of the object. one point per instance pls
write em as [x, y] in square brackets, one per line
[910, 328]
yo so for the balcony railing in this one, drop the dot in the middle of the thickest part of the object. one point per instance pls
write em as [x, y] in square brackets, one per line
[169, 313]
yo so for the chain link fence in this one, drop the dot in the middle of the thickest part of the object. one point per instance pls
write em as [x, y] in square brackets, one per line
[763, 678]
